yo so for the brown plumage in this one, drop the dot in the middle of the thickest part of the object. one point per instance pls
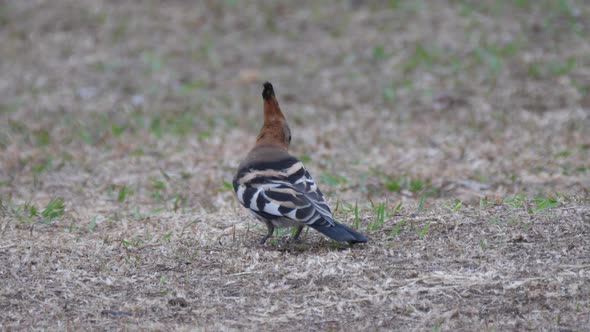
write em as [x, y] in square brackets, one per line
[275, 130]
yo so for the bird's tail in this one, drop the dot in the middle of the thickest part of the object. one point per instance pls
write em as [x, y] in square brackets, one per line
[340, 232]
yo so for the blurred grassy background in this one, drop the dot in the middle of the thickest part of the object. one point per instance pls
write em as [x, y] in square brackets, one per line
[157, 102]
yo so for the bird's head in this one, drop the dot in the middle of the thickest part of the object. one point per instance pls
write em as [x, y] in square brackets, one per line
[275, 130]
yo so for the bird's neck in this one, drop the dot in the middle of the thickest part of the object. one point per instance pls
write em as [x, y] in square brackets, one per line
[271, 135]
[272, 131]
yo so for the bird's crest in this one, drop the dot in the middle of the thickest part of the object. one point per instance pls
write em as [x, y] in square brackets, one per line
[268, 91]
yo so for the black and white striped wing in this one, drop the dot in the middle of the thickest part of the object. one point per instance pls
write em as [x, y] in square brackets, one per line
[312, 193]
[290, 193]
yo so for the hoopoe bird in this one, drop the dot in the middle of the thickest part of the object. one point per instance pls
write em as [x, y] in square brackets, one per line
[276, 187]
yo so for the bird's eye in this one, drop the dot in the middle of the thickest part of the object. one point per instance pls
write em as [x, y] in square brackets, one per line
[289, 138]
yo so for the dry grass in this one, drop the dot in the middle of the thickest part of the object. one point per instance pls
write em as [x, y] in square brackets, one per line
[459, 129]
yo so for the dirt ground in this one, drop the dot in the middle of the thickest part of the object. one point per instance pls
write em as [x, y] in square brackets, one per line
[454, 133]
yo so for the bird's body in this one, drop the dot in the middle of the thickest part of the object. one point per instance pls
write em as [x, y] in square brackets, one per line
[276, 187]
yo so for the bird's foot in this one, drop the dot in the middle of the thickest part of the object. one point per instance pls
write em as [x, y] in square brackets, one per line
[270, 229]
[263, 240]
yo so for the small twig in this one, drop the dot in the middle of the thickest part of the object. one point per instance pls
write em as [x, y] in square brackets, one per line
[242, 273]
[582, 266]
[116, 312]
[8, 246]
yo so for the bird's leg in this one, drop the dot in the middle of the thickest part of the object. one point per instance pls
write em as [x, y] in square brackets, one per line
[271, 229]
[297, 233]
